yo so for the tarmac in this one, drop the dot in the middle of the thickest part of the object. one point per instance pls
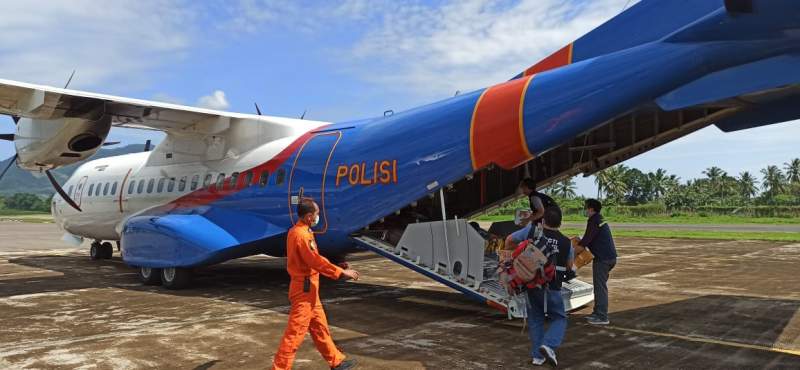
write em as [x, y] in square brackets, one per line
[674, 304]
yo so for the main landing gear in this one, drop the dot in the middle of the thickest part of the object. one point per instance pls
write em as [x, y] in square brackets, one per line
[169, 277]
[101, 250]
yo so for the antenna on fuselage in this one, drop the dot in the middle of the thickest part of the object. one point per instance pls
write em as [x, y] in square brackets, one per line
[303, 116]
[258, 110]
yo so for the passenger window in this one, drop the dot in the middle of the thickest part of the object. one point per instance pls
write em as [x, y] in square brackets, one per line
[248, 178]
[182, 184]
[91, 188]
[207, 180]
[130, 186]
[140, 187]
[195, 182]
[160, 187]
[150, 185]
[114, 188]
[280, 177]
[234, 177]
[105, 189]
[220, 181]
[264, 178]
[171, 184]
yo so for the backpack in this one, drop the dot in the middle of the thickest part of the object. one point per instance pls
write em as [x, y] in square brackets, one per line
[529, 267]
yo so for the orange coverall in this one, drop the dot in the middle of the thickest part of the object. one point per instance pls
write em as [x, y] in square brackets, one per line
[306, 315]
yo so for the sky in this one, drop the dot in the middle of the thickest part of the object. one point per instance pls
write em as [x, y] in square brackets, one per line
[337, 60]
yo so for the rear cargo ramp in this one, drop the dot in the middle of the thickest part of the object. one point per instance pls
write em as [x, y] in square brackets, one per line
[453, 253]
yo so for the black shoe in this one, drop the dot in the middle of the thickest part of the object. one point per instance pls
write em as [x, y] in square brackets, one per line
[346, 364]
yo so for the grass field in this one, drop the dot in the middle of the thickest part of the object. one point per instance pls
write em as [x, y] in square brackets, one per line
[718, 220]
[24, 216]
[683, 234]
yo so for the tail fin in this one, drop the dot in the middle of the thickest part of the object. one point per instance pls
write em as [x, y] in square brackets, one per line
[646, 21]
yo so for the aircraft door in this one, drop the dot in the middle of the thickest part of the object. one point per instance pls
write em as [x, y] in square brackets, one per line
[79, 189]
[124, 195]
[309, 174]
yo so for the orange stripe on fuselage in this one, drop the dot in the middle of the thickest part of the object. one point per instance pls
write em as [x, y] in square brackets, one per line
[558, 59]
[497, 132]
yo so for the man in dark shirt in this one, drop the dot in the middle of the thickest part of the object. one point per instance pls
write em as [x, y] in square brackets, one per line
[547, 300]
[538, 203]
[598, 240]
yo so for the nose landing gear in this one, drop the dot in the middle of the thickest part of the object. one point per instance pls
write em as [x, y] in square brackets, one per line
[101, 250]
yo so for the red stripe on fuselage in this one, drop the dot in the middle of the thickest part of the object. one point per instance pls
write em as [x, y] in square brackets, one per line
[211, 193]
[496, 132]
[558, 59]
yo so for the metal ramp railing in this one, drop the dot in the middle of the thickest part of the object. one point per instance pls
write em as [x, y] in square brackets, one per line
[452, 253]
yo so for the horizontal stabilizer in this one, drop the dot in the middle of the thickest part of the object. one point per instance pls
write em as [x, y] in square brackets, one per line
[760, 76]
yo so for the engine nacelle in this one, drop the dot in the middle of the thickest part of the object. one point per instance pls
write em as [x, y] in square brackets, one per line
[47, 144]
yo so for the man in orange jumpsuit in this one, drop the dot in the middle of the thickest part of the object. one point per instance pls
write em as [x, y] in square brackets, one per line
[304, 264]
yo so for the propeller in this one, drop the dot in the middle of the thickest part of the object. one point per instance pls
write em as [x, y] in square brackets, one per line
[10, 162]
[61, 191]
[70, 79]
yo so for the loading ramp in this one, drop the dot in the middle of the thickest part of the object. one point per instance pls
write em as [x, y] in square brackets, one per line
[452, 252]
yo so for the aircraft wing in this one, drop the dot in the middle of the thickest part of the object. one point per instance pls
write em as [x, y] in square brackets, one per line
[46, 102]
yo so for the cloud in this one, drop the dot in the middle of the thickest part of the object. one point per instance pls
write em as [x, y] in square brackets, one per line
[108, 43]
[465, 45]
[214, 101]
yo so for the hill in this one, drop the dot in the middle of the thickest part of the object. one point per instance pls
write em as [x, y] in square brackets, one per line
[21, 181]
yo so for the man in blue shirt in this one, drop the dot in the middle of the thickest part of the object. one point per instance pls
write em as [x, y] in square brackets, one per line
[598, 240]
[546, 302]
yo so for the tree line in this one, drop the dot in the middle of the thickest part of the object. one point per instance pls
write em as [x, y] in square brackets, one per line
[621, 185]
[25, 202]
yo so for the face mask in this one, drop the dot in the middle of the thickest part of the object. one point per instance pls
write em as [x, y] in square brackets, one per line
[316, 221]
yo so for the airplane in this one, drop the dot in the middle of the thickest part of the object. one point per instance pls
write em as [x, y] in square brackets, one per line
[224, 185]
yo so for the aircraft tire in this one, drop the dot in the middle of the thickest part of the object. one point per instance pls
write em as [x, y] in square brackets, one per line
[95, 251]
[106, 250]
[150, 276]
[175, 277]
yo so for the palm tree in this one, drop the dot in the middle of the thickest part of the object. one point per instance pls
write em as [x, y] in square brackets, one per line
[773, 181]
[747, 185]
[659, 182]
[613, 180]
[565, 188]
[793, 171]
[715, 178]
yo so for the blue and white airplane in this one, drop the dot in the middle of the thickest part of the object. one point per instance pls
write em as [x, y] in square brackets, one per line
[224, 185]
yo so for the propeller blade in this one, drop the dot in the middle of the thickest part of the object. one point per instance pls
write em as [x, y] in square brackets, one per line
[258, 110]
[7, 137]
[109, 143]
[10, 162]
[16, 119]
[61, 191]
[70, 79]
[147, 146]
